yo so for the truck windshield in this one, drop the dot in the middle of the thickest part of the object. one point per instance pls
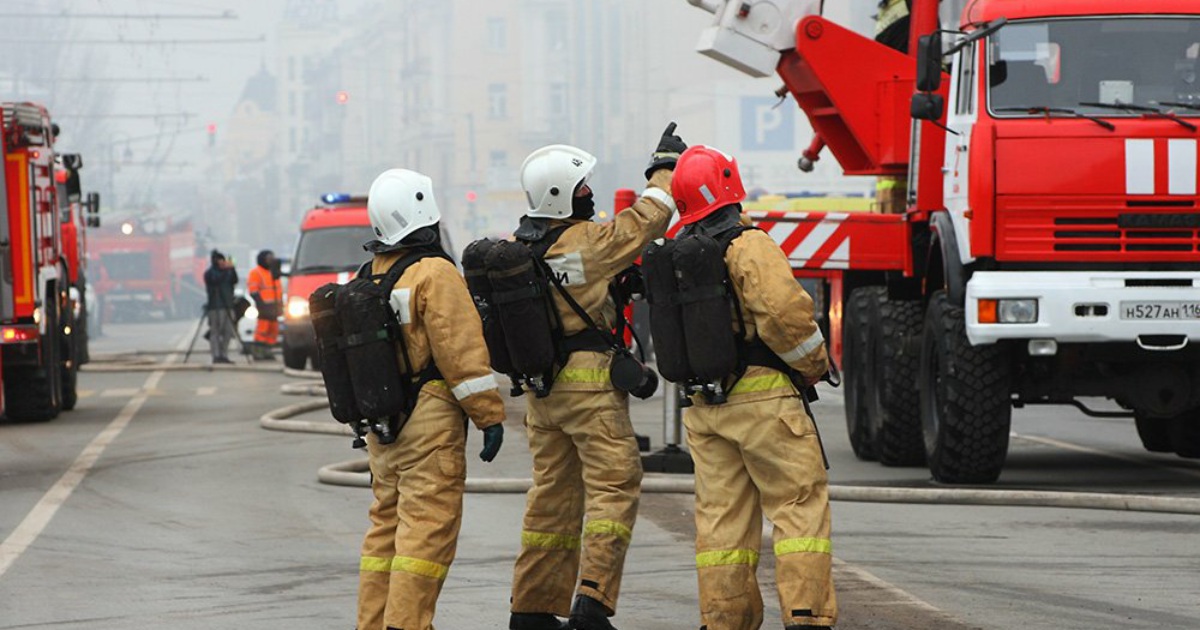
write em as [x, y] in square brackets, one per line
[331, 249]
[1083, 64]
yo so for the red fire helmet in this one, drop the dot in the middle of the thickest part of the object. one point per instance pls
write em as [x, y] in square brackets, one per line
[705, 181]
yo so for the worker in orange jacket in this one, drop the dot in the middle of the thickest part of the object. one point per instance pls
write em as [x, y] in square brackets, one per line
[264, 286]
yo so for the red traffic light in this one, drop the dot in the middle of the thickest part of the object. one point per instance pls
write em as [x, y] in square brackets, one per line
[211, 128]
[342, 97]
[472, 196]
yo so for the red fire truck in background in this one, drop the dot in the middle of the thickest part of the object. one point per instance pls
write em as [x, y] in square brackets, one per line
[35, 340]
[77, 213]
[145, 265]
[1050, 247]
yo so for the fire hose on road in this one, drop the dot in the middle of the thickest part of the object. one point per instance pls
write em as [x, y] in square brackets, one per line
[355, 473]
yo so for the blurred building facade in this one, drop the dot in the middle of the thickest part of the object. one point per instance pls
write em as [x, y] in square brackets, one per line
[463, 90]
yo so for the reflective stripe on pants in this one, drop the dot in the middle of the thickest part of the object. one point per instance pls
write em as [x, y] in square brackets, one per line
[418, 483]
[756, 458]
[585, 463]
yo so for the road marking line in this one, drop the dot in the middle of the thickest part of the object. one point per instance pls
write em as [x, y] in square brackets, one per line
[1192, 472]
[86, 393]
[206, 391]
[39, 517]
[120, 392]
[902, 596]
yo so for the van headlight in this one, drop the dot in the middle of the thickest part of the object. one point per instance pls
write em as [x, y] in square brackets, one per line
[297, 307]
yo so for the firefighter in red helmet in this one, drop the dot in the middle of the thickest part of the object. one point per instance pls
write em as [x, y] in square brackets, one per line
[757, 452]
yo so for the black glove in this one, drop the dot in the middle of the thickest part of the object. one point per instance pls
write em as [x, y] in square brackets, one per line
[493, 437]
[667, 153]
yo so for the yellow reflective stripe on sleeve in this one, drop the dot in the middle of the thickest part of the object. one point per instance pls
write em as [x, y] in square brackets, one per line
[726, 557]
[608, 527]
[803, 545]
[420, 567]
[375, 565]
[763, 383]
[598, 376]
[549, 541]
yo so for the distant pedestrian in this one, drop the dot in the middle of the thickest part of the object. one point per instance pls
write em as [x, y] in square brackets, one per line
[263, 285]
[219, 280]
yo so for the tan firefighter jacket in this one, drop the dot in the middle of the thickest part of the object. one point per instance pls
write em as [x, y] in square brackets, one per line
[440, 322]
[777, 310]
[586, 258]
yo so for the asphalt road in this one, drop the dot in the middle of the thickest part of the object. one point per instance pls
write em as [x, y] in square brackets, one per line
[160, 502]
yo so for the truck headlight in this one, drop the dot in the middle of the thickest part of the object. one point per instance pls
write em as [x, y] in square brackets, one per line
[1008, 311]
[297, 307]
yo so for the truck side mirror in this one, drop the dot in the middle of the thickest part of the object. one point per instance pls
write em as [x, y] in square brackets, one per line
[93, 209]
[927, 106]
[929, 62]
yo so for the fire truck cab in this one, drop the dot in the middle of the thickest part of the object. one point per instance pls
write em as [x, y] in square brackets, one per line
[1049, 252]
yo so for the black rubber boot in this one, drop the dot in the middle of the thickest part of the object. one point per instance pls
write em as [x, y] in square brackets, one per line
[535, 621]
[589, 614]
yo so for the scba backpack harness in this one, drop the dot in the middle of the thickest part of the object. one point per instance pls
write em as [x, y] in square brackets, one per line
[512, 287]
[357, 332]
[692, 306]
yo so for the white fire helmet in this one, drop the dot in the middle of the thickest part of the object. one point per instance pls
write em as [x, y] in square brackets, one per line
[550, 176]
[401, 201]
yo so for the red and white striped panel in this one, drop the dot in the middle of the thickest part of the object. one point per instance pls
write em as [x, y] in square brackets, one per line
[810, 240]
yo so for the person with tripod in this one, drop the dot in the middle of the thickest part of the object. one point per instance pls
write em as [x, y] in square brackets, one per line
[219, 280]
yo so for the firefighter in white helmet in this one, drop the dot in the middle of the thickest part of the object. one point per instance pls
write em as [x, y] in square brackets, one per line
[418, 480]
[757, 451]
[587, 471]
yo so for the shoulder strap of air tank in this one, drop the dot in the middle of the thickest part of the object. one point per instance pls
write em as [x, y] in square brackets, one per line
[543, 245]
[400, 266]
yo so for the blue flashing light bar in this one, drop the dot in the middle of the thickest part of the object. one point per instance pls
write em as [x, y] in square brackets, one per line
[335, 197]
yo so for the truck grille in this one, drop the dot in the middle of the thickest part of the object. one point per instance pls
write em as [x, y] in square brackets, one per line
[1094, 231]
[1154, 233]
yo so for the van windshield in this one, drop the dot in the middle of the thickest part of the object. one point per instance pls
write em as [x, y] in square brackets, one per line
[1096, 65]
[331, 250]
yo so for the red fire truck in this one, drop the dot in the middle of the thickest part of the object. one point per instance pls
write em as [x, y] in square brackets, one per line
[34, 296]
[145, 265]
[77, 214]
[1050, 248]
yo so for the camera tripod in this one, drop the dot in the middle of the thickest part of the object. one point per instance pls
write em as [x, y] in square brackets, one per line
[200, 323]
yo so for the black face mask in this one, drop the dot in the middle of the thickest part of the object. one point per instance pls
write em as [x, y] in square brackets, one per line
[583, 207]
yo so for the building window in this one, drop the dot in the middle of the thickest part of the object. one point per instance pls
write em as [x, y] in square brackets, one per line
[497, 33]
[558, 99]
[291, 68]
[556, 31]
[292, 140]
[498, 158]
[498, 100]
[291, 103]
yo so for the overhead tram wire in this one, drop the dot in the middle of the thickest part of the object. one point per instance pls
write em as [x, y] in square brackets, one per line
[228, 14]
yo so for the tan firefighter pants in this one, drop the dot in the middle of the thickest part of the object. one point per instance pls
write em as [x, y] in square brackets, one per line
[754, 458]
[585, 462]
[418, 485]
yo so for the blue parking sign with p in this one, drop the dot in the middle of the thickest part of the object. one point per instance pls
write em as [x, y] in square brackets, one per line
[767, 124]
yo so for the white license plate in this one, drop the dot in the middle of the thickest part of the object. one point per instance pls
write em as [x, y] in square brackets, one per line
[1160, 310]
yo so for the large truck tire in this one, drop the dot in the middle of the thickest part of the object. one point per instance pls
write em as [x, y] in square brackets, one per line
[1155, 433]
[895, 417]
[965, 399]
[33, 393]
[861, 314]
[294, 358]
[1185, 434]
